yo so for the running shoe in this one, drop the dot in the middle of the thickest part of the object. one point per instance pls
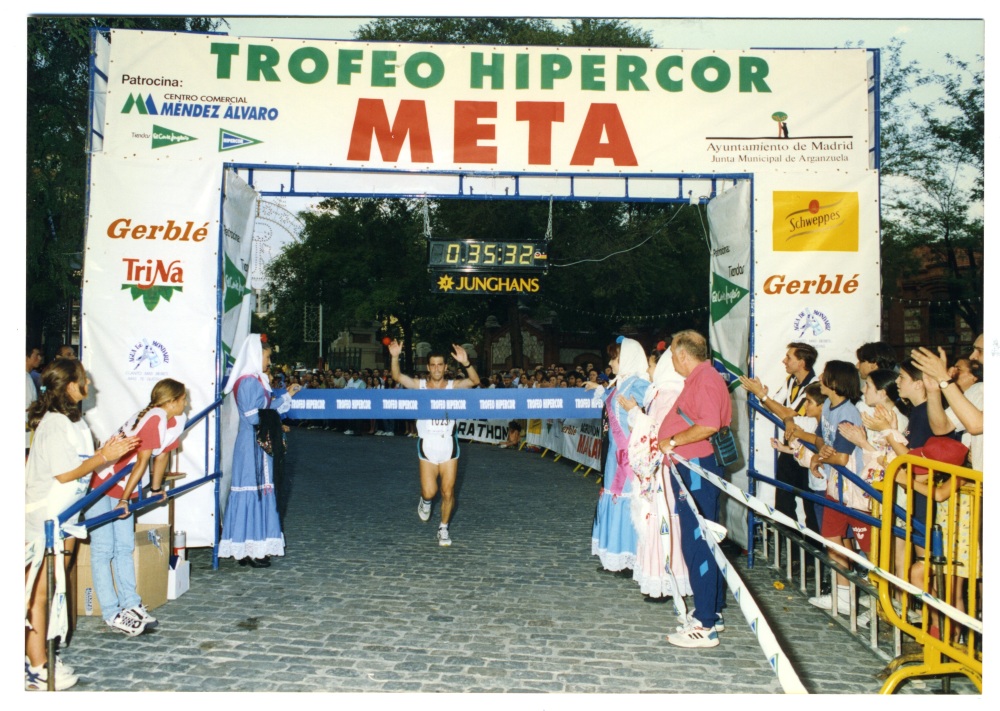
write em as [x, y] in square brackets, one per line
[443, 538]
[36, 678]
[127, 622]
[825, 602]
[142, 613]
[424, 510]
[694, 637]
[690, 621]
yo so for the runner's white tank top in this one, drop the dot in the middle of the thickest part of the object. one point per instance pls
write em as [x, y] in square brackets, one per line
[436, 428]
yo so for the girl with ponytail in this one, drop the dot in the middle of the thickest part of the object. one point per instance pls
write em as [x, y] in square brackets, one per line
[158, 427]
[59, 465]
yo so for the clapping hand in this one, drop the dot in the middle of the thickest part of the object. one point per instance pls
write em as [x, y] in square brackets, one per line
[853, 434]
[933, 366]
[753, 386]
[117, 446]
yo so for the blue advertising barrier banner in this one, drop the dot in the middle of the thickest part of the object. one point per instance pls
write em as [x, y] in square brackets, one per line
[344, 404]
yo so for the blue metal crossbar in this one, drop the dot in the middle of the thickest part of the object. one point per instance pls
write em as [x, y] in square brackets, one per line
[142, 503]
[874, 493]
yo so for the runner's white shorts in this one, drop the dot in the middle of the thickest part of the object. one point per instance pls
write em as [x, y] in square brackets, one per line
[438, 450]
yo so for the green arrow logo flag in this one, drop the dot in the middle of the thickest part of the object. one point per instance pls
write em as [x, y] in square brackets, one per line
[725, 295]
[230, 140]
[236, 286]
[167, 137]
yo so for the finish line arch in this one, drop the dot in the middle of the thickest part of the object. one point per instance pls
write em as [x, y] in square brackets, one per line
[794, 230]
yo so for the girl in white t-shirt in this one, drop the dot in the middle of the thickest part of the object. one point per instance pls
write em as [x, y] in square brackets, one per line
[57, 473]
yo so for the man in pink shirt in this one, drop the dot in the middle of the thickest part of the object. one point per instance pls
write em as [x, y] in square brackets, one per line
[707, 408]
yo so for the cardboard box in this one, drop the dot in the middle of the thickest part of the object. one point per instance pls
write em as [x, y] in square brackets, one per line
[179, 579]
[151, 559]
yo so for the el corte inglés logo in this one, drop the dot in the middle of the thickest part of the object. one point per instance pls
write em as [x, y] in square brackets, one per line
[815, 221]
[167, 137]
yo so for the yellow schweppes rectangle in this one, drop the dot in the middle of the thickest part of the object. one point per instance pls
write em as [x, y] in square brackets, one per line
[815, 221]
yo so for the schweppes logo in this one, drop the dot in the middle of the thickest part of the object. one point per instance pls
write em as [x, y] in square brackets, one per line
[815, 221]
[484, 284]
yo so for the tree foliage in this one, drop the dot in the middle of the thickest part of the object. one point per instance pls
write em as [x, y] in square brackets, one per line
[613, 260]
[933, 162]
[506, 31]
[56, 166]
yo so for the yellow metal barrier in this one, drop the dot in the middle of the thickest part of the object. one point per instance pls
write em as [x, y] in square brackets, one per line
[948, 498]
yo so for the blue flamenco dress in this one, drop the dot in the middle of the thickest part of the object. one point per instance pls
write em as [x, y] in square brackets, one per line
[614, 538]
[251, 527]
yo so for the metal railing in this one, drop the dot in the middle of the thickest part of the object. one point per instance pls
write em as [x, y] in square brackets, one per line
[938, 617]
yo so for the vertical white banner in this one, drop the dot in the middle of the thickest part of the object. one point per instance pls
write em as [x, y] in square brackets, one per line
[238, 217]
[729, 222]
[817, 277]
[149, 305]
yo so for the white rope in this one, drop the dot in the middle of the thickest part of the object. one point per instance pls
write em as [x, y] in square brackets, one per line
[769, 512]
[776, 656]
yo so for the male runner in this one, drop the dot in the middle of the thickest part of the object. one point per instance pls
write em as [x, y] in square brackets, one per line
[437, 446]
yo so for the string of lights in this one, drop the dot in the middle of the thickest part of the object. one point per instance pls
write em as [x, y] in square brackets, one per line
[623, 316]
[933, 302]
[703, 309]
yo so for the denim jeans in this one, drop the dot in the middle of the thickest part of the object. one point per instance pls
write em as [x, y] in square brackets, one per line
[111, 547]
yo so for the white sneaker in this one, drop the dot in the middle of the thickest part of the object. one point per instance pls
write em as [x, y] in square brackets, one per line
[348, 432]
[127, 622]
[443, 538]
[390, 433]
[825, 602]
[36, 678]
[424, 510]
[694, 636]
[719, 626]
[142, 613]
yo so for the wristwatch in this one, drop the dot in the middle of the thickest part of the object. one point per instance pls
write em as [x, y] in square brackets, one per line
[672, 442]
[945, 383]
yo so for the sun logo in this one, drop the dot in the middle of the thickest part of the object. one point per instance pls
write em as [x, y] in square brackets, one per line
[446, 283]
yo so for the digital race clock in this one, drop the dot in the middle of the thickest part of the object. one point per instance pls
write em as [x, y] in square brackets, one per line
[473, 255]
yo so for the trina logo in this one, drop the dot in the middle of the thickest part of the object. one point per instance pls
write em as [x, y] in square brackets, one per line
[815, 221]
[153, 280]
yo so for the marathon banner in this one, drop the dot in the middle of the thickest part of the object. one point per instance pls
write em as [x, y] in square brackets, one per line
[575, 439]
[502, 108]
[474, 404]
[488, 431]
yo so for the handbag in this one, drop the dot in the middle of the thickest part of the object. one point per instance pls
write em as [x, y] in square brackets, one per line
[723, 443]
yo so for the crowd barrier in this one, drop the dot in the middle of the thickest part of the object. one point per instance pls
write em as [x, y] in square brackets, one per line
[925, 584]
[57, 622]
[466, 404]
